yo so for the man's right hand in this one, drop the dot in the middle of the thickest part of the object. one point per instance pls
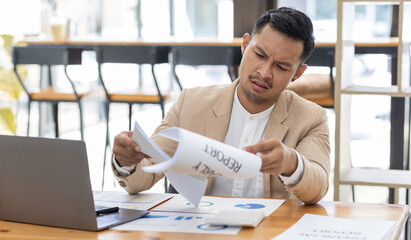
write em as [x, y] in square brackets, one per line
[127, 152]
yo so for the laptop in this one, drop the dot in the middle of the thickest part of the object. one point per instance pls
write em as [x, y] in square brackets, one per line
[46, 181]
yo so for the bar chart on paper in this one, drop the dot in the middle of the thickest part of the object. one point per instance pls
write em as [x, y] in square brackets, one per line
[250, 206]
[186, 218]
[202, 204]
[176, 222]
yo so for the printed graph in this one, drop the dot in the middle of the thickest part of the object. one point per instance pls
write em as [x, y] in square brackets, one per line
[176, 222]
[208, 227]
[155, 216]
[202, 204]
[186, 218]
[250, 206]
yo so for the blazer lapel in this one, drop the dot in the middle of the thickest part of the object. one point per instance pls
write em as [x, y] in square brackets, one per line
[275, 127]
[277, 130]
[217, 125]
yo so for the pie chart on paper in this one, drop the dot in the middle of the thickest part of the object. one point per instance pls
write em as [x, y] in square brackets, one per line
[250, 206]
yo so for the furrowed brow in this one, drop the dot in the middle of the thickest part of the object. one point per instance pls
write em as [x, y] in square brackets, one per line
[286, 64]
[261, 50]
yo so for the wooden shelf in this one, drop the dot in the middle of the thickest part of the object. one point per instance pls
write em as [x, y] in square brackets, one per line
[374, 1]
[407, 91]
[377, 177]
[345, 88]
[369, 90]
[357, 89]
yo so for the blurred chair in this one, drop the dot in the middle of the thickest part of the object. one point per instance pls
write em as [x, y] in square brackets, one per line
[50, 57]
[205, 55]
[141, 54]
[318, 88]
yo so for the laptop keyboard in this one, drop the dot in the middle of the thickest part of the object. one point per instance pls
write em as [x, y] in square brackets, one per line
[108, 219]
[113, 218]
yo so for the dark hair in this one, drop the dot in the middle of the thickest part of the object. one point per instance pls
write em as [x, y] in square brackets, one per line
[291, 22]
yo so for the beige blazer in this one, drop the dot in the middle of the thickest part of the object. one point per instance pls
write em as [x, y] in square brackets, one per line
[298, 123]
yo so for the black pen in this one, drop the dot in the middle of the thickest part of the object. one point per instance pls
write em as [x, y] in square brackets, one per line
[107, 210]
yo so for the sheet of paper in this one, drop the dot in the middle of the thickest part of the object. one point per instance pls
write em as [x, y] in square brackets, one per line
[141, 201]
[196, 158]
[215, 204]
[316, 227]
[200, 155]
[191, 187]
[147, 145]
[176, 222]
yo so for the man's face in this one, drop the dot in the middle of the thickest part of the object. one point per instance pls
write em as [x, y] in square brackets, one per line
[271, 60]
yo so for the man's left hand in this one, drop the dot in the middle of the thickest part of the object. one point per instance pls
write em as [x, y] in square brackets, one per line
[276, 157]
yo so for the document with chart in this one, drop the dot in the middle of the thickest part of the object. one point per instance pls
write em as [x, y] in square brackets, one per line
[212, 205]
[196, 158]
[177, 222]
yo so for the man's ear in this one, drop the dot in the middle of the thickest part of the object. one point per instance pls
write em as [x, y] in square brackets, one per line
[246, 41]
[299, 72]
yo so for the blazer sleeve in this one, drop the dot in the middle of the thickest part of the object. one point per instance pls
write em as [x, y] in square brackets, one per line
[314, 149]
[139, 180]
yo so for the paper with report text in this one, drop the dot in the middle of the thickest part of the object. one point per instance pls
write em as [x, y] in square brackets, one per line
[191, 188]
[200, 155]
[196, 158]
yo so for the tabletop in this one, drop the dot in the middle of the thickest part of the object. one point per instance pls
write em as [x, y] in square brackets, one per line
[279, 221]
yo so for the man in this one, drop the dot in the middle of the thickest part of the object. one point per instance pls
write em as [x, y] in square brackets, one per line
[254, 113]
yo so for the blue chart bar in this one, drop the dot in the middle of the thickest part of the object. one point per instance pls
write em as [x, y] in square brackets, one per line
[186, 218]
[202, 204]
[250, 206]
[155, 216]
